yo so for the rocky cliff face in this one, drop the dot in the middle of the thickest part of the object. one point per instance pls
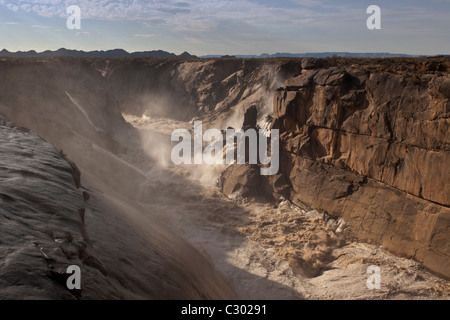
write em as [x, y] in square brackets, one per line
[374, 148]
[183, 89]
[366, 145]
[87, 96]
[42, 222]
[50, 221]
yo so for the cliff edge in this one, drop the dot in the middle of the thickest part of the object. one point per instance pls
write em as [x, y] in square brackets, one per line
[373, 147]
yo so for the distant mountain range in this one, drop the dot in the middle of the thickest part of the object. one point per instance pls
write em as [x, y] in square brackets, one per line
[320, 55]
[120, 53]
[116, 53]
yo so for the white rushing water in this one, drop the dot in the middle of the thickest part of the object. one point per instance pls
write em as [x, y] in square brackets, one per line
[83, 111]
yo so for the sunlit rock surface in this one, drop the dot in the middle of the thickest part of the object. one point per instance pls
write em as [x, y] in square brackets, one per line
[372, 147]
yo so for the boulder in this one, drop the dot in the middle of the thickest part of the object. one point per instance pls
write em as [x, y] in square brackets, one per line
[243, 181]
[310, 63]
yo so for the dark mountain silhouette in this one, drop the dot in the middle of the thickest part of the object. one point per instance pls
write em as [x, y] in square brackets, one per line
[115, 53]
[120, 53]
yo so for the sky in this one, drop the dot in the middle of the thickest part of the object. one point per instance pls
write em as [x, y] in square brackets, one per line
[204, 27]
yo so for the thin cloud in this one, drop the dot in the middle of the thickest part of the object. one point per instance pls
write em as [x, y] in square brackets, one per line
[145, 35]
[146, 10]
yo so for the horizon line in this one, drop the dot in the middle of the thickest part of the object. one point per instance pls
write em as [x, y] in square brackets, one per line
[230, 55]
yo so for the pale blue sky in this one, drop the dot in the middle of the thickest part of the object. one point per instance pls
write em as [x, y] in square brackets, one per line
[228, 26]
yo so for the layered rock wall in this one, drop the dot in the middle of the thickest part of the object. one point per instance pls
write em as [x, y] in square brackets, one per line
[374, 148]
